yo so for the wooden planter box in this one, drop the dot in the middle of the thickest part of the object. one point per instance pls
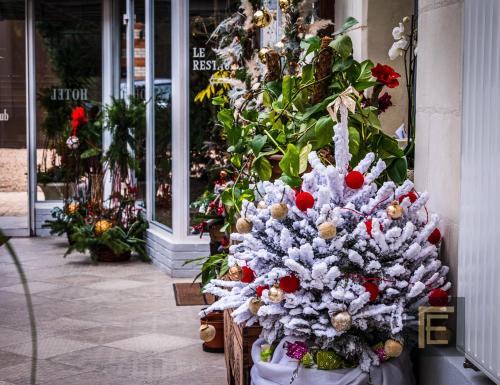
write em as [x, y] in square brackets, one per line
[238, 341]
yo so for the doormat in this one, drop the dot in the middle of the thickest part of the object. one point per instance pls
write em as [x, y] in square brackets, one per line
[189, 294]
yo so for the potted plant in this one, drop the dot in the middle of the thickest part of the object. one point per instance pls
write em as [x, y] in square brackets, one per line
[65, 218]
[111, 234]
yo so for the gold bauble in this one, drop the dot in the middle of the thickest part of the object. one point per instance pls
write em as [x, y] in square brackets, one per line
[262, 205]
[393, 348]
[284, 5]
[102, 226]
[254, 305]
[72, 207]
[262, 55]
[341, 321]
[207, 332]
[276, 295]
[243, 225]
[262, 18]
[327, 230]
[394, 210]
[234, 273]
[279, 211]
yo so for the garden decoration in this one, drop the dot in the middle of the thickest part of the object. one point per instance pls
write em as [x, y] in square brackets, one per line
[335, 299]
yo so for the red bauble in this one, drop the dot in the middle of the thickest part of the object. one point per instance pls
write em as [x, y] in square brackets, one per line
[247, 274]
[435, 236]
[438, 297]
[259, 289]
[304, 201]
[371, 288]
[289, 284]
[411, 195]
[354, 180]
[368, 224]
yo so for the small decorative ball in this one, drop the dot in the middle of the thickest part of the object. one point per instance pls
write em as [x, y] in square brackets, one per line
[262, 205]
[279, 211]
[289, 284]
[435, 236]
[438, 297]
[394, 210]
[247, 274]
[284, 5]
[411, 195]
[354, 180]
[304, 201]
[243, 225]
[254, 305]
[260, 289]
[207, 332]
[73, 142]
[72, 207]
[102, 226]
[234, 273]
[368, 224]
[341, 321]
[276, 294]
[262, 18]
[327, 230]
[371, 288]
[393, 348]
[262, 54]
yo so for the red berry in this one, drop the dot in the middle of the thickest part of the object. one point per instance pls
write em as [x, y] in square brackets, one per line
[411, 195]
[259, 289]
[354, 180]
[304, 201]
[371, 288]
[368, 224]
[438, 297]
[435, 236]
[289, 284]
[247, 274]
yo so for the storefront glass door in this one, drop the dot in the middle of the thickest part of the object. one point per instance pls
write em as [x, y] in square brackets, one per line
[13, 149]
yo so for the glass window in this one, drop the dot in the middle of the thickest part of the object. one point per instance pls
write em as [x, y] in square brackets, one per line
[206, 144]
[13, 156]
[162, 211]
[68, 74]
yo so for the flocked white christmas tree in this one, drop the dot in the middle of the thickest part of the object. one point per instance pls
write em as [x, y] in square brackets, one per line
[343, 264]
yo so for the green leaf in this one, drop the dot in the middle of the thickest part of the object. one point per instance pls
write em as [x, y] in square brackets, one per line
[348, 23]
[257, 143]
[310, 45]
[90, 153]
[354, 141]
[218, 100]
[225, 116]
[236, 160]
[397, 170]
[304, 152]
[287, 87]
[374, 120]
[324, 131]
[263, 168]
[342, 45]
[291, 181]
[290, 164]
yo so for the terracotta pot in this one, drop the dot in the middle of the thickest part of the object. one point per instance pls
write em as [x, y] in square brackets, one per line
[216, 319]
[105, 254]
[275, 166]
[215, 234]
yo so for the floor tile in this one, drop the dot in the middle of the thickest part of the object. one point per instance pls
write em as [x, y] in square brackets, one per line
[47, 371]
[48, 347]
[102, 334]
[34, 287]
[11, 359]
[153, 343]
[115, 284]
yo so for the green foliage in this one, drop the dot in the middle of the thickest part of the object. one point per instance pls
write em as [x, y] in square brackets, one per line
[211, 267]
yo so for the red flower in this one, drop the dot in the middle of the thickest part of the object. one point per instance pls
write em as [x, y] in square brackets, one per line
[78, 117]
[384, 102]
[386, 75]
[225, 242]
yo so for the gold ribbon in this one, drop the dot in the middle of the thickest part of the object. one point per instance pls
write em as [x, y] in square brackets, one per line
[345, 98]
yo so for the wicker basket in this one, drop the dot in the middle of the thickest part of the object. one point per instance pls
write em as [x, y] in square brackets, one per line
[105, 254]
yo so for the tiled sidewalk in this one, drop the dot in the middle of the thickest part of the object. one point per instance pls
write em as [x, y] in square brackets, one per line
[103, 324]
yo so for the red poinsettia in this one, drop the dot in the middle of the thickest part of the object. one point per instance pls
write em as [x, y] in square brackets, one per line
[386, 75]
[384, 102]
[78, 117]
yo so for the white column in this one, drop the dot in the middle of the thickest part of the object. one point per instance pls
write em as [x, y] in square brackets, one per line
[180, 119]
[150, 109]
